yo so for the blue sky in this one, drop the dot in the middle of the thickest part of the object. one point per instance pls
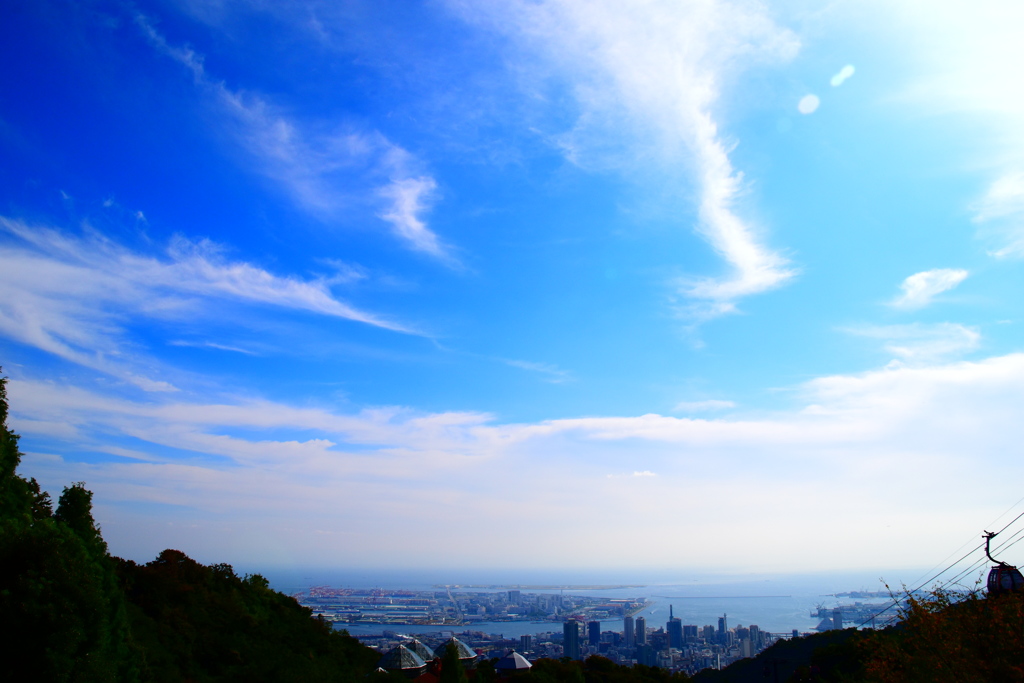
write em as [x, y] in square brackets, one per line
[683, 285]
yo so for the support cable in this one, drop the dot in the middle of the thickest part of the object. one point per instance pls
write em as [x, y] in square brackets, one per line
[1009, 542]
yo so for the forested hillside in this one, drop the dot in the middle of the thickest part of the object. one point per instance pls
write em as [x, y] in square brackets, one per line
[73, 612]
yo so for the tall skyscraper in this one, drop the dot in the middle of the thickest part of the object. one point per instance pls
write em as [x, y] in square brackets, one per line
[627, 632]
[525, 643]
[755, 637]
[571, 638]
[593, 632]
[723, 629]
[675, 632]
[641, 631]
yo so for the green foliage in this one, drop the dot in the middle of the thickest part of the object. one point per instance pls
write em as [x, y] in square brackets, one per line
[485, 671]
[597, 669]
[954, 637]
[65, 602]
[74, 510]
[19, 498]
[829, 657]
[75, 614]
[452, 670]
[204, 623]
[56, 582]
[943, 637]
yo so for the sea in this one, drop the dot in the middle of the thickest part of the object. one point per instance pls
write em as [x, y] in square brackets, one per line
[774, 603]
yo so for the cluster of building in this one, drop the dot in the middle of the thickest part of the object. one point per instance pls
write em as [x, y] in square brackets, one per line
[675, 646]
[448, 608]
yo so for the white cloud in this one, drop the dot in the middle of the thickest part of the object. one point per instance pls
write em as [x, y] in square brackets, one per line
[701, 406]
[1005, 197]
[319, 167]
[649, 78]
[554, 374]
[76, 297]
[408, 198]
[919, 343]
[910, 445]
[808, 104]
[637, 474]
[1001, 214]
[212, 345]
[920, 288]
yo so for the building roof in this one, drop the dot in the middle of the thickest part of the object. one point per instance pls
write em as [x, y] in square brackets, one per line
[513, 661]
[425, 653]
[401, 658]
[465, 652]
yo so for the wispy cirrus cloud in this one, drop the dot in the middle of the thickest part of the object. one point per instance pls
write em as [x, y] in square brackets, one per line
[922, 343]
[873, 435]
[920, 288]
[317, 167]
[1000, 214]
[552, 373]
[703, 406]
[408, 198]
[637, 474]
[77, 296]
[212, 345]
[647, 80]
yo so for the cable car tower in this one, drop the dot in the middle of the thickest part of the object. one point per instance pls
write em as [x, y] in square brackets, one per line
[1002, 578]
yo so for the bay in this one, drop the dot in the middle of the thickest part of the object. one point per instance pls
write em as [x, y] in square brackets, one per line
[778, 604]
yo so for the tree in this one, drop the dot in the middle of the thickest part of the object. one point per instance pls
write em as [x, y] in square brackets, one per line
[452, 670]
[74, 613]
[57, 583]
[951, 636]
[19, 498]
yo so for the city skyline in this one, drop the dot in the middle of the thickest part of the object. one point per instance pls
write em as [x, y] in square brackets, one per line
[717, 288]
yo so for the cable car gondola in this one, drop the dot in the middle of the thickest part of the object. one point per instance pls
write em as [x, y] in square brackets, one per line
[1002, 578]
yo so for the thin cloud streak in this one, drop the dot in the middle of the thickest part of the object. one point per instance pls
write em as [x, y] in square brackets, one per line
[854, 434]
[921, 343]
[317, 168]
[654, 76]
[1000, 214]
[76, 297]
[554, 374]
[701, 406]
